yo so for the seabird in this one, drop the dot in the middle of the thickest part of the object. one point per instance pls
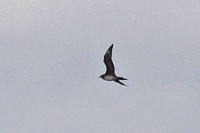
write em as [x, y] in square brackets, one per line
[110, 69]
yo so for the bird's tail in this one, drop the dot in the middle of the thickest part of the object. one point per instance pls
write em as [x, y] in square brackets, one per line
[121, 78]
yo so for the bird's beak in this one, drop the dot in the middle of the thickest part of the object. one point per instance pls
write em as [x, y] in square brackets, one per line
[99, 77]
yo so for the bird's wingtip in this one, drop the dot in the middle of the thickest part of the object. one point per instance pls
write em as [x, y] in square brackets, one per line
[112, 45]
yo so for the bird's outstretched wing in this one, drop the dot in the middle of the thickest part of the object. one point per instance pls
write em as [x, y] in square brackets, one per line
[110, 69]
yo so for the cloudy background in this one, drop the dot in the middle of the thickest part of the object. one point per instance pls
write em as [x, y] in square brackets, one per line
[51, 56]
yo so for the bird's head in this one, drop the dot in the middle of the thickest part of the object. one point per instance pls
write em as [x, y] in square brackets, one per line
[101, 76]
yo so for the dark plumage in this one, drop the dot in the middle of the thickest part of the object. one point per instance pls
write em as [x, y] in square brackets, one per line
[110, 69]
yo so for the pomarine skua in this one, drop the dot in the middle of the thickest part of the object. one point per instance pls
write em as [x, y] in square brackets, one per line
[110, 69]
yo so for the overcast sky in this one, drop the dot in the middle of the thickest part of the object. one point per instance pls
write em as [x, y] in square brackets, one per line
[51, 56]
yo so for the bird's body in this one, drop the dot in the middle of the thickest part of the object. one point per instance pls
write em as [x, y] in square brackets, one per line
[110, 69]
[109, 77]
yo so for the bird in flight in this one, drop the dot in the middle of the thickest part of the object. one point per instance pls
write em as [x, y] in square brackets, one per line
[110, 69]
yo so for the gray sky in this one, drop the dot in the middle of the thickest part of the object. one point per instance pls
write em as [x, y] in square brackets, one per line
[51, 57]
